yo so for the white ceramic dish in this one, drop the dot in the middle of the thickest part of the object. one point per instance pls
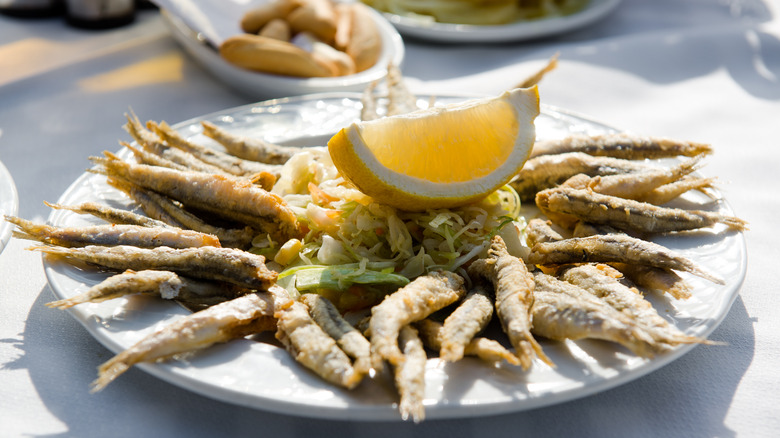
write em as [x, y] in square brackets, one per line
[525, 30]
[258, 86]
[9, 203]
[263, 375]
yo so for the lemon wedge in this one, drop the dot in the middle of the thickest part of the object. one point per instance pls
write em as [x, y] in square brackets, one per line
[439, 157]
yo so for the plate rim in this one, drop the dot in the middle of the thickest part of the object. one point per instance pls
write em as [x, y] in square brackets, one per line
[372, 412]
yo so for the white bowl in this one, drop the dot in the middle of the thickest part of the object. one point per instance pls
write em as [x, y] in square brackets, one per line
[260, 86]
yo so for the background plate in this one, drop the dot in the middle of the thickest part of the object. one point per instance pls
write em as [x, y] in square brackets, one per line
[9, 204]
[525, 30]
[262, 375]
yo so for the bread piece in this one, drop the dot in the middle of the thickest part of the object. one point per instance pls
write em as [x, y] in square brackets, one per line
[268, 55]
[315, 16]
[254, 19]
[365, 43]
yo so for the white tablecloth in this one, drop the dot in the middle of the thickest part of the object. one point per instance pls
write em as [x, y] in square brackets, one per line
[705, 70]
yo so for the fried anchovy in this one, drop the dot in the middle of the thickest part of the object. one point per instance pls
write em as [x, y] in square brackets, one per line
[152, 144]
[626, 214]
[164, 284]
[229, 197]
[656, 279]
[245, 315]
[647, 277]
[164, 208]
[673, 190]
[228, 163]
[562, 311]
[249, 148]
[622, 145]
[143, 156]
[548, 171]
[368, 99]
[634, 185]
[346, 336]
[539, 230]
[486, 349]
[410, 375]
[470, 317]
[142, 198]
[110, 215]
[226, 264]
[111, 235]
[619, 248]
[413, 302]
[514, 289]
[313, 348]
[605, 282]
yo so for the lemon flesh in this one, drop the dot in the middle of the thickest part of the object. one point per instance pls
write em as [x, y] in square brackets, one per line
[439, 157]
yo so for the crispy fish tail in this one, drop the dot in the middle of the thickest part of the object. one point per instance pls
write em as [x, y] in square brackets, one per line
[673, 190]
[538, 230]
[486, 349]
[656, 279]
[399, 99]
[368, 98]
[410, 375]
[537, 76]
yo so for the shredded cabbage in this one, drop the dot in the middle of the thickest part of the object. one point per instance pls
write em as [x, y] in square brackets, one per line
[367, 240]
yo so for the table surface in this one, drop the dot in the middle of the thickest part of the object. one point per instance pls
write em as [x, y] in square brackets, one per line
[691, 69]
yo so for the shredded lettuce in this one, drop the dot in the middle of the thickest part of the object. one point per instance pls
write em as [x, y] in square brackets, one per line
[341, 277]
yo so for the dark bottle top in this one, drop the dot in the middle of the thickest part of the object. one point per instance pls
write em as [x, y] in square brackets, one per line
[32, 8]
[144, 4]
[99, 14]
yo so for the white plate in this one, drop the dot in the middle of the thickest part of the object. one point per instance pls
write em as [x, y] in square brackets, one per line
[522, 30]
[263, 375]
[9, 203]
[257, 86]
